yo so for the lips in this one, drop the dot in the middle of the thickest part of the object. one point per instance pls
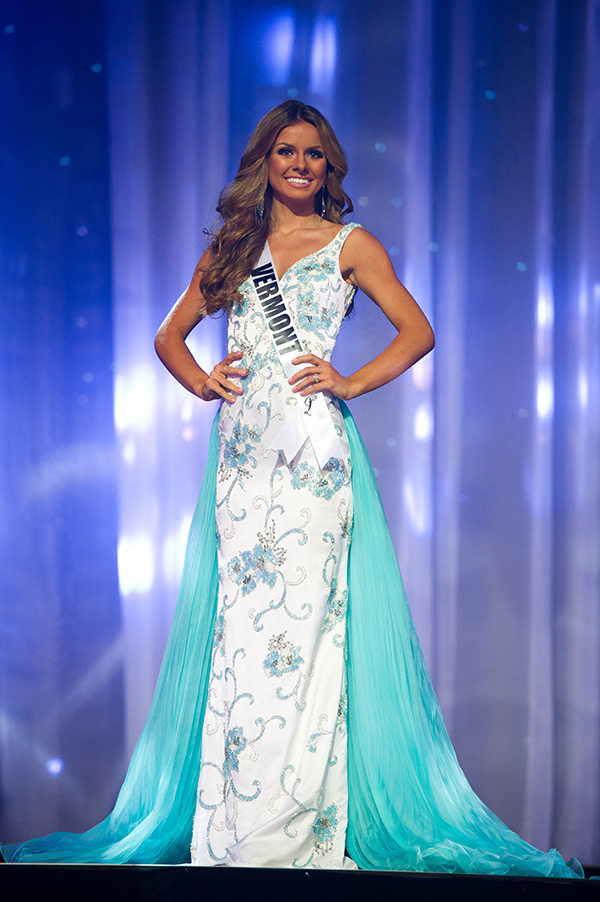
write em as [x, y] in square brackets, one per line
[300, 182]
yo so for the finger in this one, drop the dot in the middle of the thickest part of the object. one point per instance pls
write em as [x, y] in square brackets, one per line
[303, 374]
[214, 392]
[308, 383]
[308, 358]
[221, 371]
[233, 371]
[228, 386]
[219, 383]
[220, 392]
[312, 390]
[309, 386]
[234, 355]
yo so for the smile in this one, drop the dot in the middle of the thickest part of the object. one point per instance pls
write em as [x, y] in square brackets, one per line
[293, 180]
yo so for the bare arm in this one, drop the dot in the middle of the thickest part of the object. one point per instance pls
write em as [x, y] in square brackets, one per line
[174, 353]
[366, 264]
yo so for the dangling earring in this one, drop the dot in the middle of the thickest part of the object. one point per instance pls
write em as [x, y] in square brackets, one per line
[260, 207]
[323, 203]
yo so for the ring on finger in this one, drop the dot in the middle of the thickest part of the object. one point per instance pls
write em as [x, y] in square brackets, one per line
[316, 377]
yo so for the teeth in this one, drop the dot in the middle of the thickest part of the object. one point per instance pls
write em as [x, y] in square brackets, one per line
[295, 181]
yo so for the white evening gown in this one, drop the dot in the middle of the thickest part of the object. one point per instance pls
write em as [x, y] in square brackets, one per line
[273, 787]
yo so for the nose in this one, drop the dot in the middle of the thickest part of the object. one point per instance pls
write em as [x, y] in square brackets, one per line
[301, 166]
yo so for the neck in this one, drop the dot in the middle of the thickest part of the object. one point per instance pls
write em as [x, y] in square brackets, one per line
[288, 218]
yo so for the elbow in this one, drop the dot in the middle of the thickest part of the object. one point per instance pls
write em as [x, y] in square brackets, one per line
[428, 341]
[160, 341]
[431, 341]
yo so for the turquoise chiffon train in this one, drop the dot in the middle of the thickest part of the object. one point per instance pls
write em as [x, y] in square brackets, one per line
[410, 805]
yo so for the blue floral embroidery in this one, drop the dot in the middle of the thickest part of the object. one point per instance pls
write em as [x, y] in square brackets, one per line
[345, 519]
[257, 566]
[311, 745]
[324, 829]
[315, 311]
[219, 638]
[315, 317]
[337, 605]
[283, 657]
[235, 742]
[324, 826]
[339, 727]
[263, 565]
[320, 483]
[261, 359]
[237, 451]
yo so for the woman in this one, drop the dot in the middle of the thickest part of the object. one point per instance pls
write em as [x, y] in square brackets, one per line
[273, 745]
[292, 645]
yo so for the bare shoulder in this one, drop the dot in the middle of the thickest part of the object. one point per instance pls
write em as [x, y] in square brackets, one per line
[363, 250]
[205, 260]
[193, 289]
[362, 240]
[190, 306]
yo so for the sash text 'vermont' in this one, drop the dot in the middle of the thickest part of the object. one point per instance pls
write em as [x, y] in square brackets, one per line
[278, 320]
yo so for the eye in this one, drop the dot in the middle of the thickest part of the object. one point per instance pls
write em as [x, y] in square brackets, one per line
[283, 151]
[317, 154]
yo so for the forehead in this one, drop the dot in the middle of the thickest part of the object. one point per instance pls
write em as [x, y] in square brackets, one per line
[299, 134]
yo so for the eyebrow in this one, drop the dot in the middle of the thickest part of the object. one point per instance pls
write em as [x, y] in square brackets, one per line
[287, 144]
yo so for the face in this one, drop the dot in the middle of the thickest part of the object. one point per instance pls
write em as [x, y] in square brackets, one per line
[297, 163]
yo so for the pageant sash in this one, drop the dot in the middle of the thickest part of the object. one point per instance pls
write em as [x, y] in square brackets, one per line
[310, 419]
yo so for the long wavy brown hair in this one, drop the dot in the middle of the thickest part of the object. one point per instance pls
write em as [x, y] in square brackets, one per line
[238, 243]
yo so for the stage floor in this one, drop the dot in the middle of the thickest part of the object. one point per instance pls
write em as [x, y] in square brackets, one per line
[151, 883]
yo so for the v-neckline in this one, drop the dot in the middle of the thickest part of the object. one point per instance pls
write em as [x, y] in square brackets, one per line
[306, 256]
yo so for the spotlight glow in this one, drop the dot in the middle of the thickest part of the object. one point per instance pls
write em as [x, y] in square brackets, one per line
[422, 373]
[129, 452]
[55, 766]
[173, 551]
[545, 305]
[278, 46]
[583, 390]
[423, 422]
[415, 505]
[545, 396]
[135, 559]
[323, 57]
[135, 399]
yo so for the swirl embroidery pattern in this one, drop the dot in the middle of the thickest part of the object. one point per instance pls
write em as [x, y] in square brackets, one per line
[272, 788]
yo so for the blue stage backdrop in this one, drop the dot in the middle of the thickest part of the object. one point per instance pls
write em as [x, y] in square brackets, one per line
[473, 134]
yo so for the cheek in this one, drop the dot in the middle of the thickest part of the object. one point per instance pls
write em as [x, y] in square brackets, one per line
[277, 165]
